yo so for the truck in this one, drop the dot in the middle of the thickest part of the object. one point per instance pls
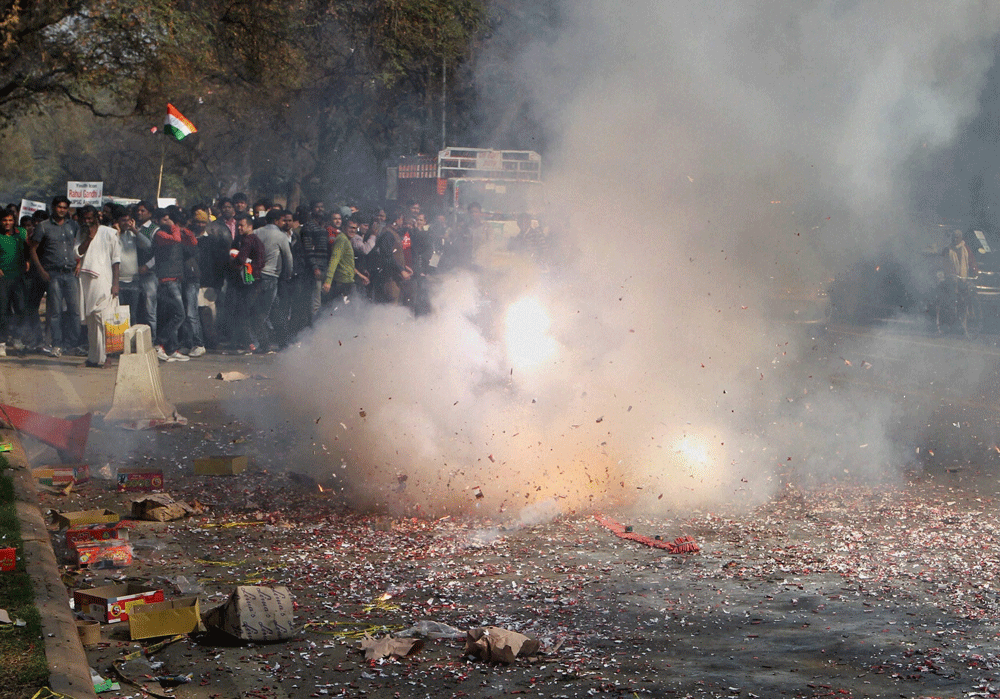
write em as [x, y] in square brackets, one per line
[505, 183]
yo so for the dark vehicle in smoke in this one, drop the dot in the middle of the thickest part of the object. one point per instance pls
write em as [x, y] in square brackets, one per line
[985, 245]
[902, 284]
[880, 288]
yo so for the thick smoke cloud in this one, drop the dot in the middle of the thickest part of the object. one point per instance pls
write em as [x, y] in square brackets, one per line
[705, 161]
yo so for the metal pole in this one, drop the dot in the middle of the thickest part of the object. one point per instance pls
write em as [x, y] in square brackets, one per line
[444, 103]
[163, 155]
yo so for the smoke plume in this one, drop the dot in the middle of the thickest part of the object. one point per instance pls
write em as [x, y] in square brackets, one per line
[705, 162]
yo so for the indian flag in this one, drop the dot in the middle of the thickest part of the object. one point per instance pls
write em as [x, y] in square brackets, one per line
[177, 124]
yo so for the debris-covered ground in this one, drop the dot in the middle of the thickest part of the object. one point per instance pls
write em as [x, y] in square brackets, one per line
[842, 591]
[845, 590]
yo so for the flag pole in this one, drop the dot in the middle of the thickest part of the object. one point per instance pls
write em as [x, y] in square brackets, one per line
[163, 156]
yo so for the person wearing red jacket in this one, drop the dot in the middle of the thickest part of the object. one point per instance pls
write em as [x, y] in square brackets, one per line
[168, 251]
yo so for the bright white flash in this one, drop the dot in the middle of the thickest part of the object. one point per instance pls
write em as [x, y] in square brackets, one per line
[693, 449]
[526, 334]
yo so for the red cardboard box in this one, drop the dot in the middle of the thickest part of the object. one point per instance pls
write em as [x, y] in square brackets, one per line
[113, 553]
[97, 532]
[112, 603]
[139, 481]
[8, 559]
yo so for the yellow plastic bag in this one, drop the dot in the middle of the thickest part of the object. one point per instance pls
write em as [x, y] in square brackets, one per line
[114, 329]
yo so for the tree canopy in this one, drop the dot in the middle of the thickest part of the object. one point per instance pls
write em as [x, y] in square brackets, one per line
[302, 98]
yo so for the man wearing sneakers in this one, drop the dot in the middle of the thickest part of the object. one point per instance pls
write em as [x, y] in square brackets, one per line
[168, 243]
[52, 252]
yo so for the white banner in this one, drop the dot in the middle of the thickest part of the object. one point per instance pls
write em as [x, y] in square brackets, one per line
[29, 207]
[123, 201]
[82, 193]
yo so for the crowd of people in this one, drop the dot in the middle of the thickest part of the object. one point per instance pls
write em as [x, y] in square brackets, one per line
[226, 276]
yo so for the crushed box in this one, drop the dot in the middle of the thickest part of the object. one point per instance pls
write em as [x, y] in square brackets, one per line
[112, 603]
[220, 465]
[139, 480]
[73, 520]
[97, 532]
[62, 475]
[169, 618]
[8, 559]
[113, 553]
[160, 507]
[255, 614]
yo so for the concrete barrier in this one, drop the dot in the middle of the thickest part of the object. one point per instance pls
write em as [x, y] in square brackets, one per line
[139, 402]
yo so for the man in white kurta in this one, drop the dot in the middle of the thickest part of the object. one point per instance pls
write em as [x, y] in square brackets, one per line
[100, 253]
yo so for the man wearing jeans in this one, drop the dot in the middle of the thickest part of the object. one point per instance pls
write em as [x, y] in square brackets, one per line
[277, 264]
[316, 245]
[52, 252]
[191, 333]
[168, 243]
[146, 279]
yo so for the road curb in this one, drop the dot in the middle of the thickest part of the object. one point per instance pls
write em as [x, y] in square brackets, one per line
[69, 672]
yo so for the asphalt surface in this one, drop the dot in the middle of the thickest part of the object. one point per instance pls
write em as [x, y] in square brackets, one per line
[844, 588]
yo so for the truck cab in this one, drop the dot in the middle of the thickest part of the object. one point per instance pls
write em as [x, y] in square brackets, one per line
[504, 182]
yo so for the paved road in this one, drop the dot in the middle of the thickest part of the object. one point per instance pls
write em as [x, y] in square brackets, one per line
[847, 590]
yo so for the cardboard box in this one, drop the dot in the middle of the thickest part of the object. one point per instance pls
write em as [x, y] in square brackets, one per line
[74, 520]
[255, 614]
[160, 507]
[220, 465]
[97, 532]
[112, 603]
[62, 475]
[8, 559]
[168, 618]
[139, 480]
[113, 553]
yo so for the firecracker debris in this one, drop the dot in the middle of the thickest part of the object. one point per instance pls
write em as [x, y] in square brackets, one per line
[846, 591]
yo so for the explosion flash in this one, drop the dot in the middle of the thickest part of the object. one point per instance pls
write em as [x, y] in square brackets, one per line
[526, 334]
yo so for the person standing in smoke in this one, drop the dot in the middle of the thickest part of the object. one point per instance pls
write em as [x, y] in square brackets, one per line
[317, 251]
[341, 272]
[99, 252]
[277, 266]
[418, 250]
[463, 244]
[956, 283]
[387, 264]
[363, 243]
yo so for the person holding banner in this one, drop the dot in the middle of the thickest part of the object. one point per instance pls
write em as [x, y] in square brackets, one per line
[51, 250]
[100, 254]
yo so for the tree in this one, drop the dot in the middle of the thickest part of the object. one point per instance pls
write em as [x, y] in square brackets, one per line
[304, 97]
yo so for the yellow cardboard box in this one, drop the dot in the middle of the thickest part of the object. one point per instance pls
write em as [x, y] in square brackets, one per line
[220, 465]
[168, 618]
